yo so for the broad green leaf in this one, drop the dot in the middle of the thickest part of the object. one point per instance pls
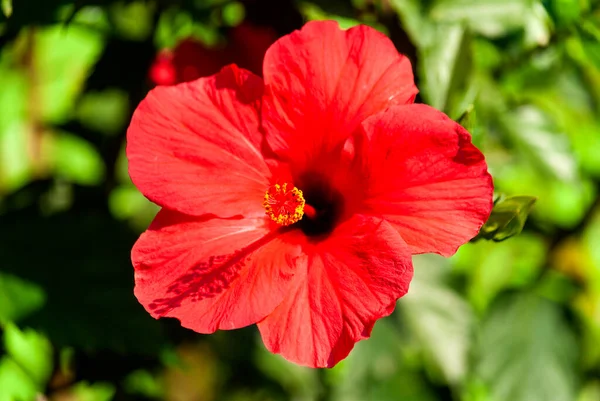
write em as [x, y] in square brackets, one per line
[590, 392]
[507, 219]
[491, 18]
[142, 382]
[298, 380]
[314, 13]
[492, 267]
[439, 318]
[527, 351]
[446, 69]
[15, 384]
[63, 58]
[7, 7]
[99, 391]
[76, 159]
[15, 166]
[133, 20]
[377, 369]
[565, 11]
[419, 28]
[18, 298]
[534, 134]
[31, 351]
[233, 13]
[105, 112]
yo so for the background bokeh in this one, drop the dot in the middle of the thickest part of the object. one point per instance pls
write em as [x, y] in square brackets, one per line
[516, 320]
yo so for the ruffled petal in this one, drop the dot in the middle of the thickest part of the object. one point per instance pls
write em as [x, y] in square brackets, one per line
[213, 273]
[351, 280]
[322, 82]
[195, 147]
[421, 173]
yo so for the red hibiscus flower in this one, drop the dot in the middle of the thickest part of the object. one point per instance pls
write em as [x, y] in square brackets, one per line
[246, 47]
[296, 202]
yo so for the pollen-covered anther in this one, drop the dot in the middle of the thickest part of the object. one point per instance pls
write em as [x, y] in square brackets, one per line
[284, 204]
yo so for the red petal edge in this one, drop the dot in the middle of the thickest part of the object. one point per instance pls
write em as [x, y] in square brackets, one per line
[423, 175]
[195, 147]
[322, 82]
[352, 279]
[213, 273]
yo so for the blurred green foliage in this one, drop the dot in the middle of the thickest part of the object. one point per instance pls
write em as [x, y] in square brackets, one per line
[516, 320]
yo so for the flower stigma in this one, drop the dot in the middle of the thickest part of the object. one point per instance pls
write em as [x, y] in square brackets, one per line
[284, 204]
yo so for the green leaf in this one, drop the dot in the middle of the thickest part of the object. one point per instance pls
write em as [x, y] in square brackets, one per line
[492, 267]
[537, 138]
[142, 382]
[63, 58]
[99, 391]
[31, 351]
[15, 385]
[15, 167]
[314, 12]
[233, 13]
[418, 26]
[491, 18]
[565, 11]
[446, 69]
[377, 370]
[105, 111]
[297, 380]
[439, 318]
[591, 392]
[507, 219]
[76, 160]
[18, 298]
[527, 351]
[7, 7]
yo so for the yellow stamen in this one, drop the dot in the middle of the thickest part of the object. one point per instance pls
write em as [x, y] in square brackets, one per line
[284, 206]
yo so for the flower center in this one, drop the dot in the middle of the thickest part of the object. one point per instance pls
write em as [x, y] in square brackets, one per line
[284, 204]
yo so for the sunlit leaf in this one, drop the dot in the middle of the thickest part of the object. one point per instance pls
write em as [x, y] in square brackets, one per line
[7, 7]
[133, 20]
[446, 69]
[591, 392]
[31, 351]
[377, 370]
[14, 382]
[419, 28]
[233, 13]
[15, 168]
[439, 318]
[565, 11]
[536, 137]
[63, 57]
[76, 159]
[83, 391]
[105, 112]
[507, 219]
[488, 17]
[492, 267]
[527, 351]
[299, 380]
[142, 382]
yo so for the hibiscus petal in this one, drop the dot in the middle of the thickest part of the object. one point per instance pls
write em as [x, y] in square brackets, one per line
[350, 281]
[422, 174]
[213, 273]
[195, 147]
[322, 82]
